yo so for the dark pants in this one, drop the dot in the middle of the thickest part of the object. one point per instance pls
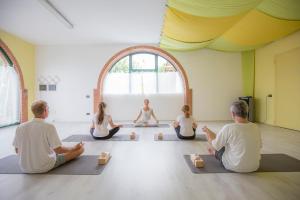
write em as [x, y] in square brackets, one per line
[219, 154]
[112, 132]
[177, 130]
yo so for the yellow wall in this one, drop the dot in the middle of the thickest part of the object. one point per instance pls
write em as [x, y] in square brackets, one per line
[265, 77]
[24, 52]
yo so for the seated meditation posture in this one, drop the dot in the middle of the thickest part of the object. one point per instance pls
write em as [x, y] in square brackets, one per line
[237, 146]
[37, 143]
[99, 129]
[145, 114]
[185, 125]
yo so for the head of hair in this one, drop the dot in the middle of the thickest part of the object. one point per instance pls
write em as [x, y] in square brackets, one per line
[186, 110]
[101, 108]
[239, 108]
[38, 108]
[146, 101]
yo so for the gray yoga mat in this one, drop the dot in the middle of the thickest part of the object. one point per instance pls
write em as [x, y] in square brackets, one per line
[268, 163]
[173, 137]
[89, 138]
[148, 126]
[83, 165]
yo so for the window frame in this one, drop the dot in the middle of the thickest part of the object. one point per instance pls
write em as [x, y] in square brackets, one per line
[133, 70]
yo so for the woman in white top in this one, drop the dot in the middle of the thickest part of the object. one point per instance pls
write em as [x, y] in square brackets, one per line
[145, 113]
[185, 125]
[99, 129]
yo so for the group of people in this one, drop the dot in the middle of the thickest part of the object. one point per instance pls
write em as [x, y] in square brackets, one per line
[237, 146]
[184, 125]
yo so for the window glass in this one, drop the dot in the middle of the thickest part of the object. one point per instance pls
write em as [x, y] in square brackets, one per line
[143, 73]
[143, 61]
[9, 92]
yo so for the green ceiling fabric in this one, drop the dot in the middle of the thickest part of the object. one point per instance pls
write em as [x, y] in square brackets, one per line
[235, 25]
[283, 9]
[171, 44]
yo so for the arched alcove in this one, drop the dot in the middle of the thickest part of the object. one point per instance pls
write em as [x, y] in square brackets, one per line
[98, 91]
[23, 92]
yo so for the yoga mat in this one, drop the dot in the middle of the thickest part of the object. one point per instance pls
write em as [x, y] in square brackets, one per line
[83, 165]
[89, 138]
[173, 137]
[268, 163]
[148, 126]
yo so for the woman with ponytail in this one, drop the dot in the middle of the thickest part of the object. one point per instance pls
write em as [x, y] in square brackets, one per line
[99, 129]
[185, 125]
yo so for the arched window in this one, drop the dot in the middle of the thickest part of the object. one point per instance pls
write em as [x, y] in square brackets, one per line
[9, 91]
[143, 73]
[140, 72]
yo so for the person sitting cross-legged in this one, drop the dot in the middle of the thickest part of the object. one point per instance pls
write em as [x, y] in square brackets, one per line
[101, 120]
[237, 146]
[185, 125]
[37, 143]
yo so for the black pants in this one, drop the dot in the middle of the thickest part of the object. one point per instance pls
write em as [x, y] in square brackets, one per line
[112, 132]
[219, 154]
[177, 130]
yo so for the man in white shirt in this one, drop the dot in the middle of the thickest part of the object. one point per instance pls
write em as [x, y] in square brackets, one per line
[237, 146]
[38, 146]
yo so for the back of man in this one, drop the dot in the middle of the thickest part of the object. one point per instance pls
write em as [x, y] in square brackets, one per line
[35, 141]
[242, 142]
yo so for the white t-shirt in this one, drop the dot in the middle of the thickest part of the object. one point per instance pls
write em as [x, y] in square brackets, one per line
[35, 141]
[146, 115]
[186, 125]
[101, 130]
[242, 143]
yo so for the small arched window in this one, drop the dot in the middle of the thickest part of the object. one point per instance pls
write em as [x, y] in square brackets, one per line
[9, 91]
[143, 73]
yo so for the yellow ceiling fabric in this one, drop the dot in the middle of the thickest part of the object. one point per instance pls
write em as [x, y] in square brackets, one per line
[189, 28]
[235, 25]
[213, 8]
[222, 44]
[257, 28]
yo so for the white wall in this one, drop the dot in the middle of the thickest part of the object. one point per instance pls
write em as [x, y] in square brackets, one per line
[215, 77]
[216, 80]
[78, 68]
[165, 107]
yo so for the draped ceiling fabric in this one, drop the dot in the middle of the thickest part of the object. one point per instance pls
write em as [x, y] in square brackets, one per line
[227, 25]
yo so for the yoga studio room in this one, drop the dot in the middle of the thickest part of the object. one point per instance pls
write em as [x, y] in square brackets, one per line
[150, 99]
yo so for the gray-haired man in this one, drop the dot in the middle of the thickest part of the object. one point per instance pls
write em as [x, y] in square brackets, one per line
[237, 145]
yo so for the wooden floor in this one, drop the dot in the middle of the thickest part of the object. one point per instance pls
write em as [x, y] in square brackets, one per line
[154, 170]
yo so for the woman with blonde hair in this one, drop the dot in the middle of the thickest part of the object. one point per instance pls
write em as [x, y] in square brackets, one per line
[185, 125]
[99, 129]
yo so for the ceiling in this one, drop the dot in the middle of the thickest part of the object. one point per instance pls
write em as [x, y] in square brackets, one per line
[228, 25]
[95, 21]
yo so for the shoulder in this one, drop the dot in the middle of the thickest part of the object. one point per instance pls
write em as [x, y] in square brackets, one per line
[227, 127]
[24, 125]
[253, 126]
[49, 126]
